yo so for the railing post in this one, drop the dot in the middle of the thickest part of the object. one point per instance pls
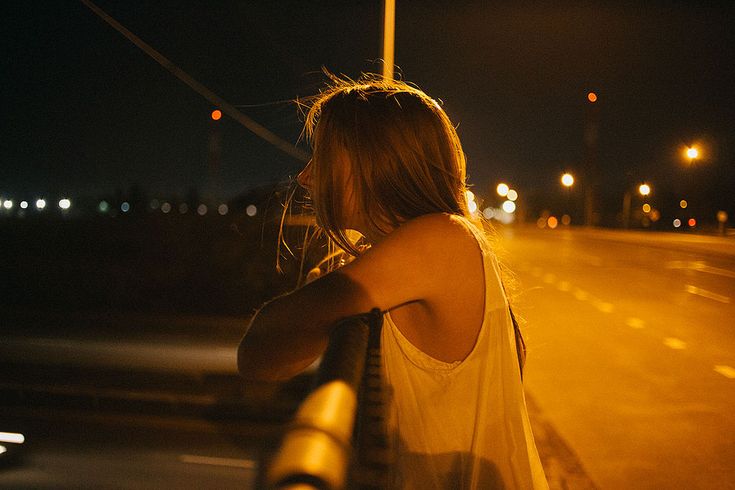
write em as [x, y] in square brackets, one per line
[316, 451]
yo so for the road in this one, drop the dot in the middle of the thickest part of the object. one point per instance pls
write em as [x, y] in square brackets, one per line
[630, 376]
[632, 350]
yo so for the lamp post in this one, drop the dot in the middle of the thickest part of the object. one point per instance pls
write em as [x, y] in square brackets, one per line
[644, 190]
[567, 180]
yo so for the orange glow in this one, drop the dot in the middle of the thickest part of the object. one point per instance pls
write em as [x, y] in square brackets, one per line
[683, 204]
[541, 223]
[553, 222]
[692, 222]
[592, 97]
[216, 115]
[646, 208]
[566, 220]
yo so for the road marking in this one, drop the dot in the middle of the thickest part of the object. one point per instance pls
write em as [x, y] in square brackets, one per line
[701, 267]
[564, 286]
[581, 295]
[706, 294]
[726, 371]
[604, 307]
[231, 462]
[675, 343]
[549, 278]
[634, 322]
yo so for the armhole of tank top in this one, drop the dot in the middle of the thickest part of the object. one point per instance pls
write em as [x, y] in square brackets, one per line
[423, 360]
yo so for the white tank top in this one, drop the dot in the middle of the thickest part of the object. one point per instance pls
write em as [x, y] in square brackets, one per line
[462, 425]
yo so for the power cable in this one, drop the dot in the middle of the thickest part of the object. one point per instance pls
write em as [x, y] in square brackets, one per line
[215, 99]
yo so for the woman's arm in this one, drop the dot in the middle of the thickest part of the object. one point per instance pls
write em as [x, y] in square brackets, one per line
[288, 333]
[416, 262]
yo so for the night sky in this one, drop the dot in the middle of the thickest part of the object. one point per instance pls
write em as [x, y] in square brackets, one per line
[84, 111]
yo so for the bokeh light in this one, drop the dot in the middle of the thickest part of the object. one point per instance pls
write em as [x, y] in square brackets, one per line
[512, 195]
[64, 204]
[502, 189]
[567, 180]
[251, 210]
[509, 207]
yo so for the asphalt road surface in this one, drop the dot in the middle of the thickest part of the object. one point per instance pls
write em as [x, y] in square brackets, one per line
[632, 350]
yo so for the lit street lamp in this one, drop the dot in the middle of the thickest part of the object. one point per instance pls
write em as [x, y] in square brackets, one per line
[567, 180]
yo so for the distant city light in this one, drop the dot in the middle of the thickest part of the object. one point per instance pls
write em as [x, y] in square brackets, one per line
[567, 180]
[251, 210]
[223, 209]
[40, 203]
[644, 189]
[692, 153]
[512, 195]
[216, 115]
[64, 204]
[488, 213]
[502, 189]
[592, 97]
[677, 223]
[509, 207]
[155, 204]
[471, 204]
[183, 208]
[541, 222]
[566, 220]
[646, 208]
[103, 206]
[8, 204]
[683, 204]
[24, 204]
[552, 222]
[202, 209]
[125, 207]
[692, 222]
[165, 207]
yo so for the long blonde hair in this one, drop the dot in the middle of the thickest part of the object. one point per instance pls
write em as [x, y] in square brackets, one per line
[388, 144]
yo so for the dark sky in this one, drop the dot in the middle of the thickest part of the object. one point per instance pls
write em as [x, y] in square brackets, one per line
[84, 111]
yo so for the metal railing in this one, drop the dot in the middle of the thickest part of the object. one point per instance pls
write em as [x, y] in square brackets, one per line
[338, 437]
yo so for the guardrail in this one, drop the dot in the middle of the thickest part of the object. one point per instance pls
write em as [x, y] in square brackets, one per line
[338, 438]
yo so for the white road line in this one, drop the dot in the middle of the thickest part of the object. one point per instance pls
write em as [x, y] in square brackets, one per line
[726, 371]
[701, 267]
[706, 294]
[675, 343]
[231, 462]
[564, 286]
[633, 322]
[604, 307]
[581, 294]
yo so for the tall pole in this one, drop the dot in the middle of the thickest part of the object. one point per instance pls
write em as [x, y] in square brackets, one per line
[389, 33]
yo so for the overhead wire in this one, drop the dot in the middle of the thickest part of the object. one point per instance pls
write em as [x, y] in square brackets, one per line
[215, 99]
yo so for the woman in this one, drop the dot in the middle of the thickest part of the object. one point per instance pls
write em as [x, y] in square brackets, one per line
[388, 163]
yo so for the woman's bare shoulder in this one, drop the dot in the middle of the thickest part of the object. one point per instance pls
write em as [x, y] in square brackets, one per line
[417, 260]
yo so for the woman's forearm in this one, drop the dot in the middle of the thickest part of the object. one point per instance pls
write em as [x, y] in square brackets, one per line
[287, 334]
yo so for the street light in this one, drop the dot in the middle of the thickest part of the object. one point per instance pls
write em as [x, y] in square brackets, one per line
[692, 153]
[644, 189]
[567, 180]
